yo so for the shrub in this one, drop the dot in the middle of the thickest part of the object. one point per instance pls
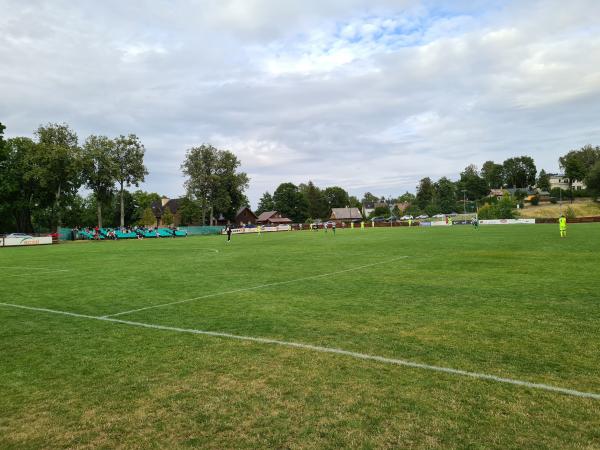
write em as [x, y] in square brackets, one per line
[535, 200]
[503, 209]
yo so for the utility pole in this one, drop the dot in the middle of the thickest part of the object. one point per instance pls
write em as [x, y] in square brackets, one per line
[465, 201]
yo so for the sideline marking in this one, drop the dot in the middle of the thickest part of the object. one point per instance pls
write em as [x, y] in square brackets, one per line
[276, 283]
[34, 268]
[34, 271]
[337, 351]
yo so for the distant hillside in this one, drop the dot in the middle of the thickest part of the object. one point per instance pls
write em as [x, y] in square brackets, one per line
[582, 208]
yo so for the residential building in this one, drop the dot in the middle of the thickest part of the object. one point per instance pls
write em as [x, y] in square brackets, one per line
[158, 208]
[245, 216]
[558, 180]
[345, 214]
[272, 218]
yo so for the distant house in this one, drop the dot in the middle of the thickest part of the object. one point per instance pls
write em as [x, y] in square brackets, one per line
[529, 193]
[272, 218]
[369, 207]
[345, 214]
[159, 208]
[245, 216]
[558, 180]
[498, 193]
[403, 206]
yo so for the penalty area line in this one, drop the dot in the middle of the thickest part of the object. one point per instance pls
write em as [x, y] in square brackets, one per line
[252, 288]
[331, 350]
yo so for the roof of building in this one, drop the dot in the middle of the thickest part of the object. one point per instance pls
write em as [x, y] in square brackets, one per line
[266, 215]
[279, 220]
[173, 204]
[345, 213]
[242, 209]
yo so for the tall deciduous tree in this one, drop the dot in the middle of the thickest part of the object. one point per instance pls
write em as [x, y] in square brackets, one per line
[290, 202]
[20, 191]
[58, 167]
[592, 179]
[369, 198]
[99, 169]
[445, 195]
[128, 153]
[519, 172]
[543, 181]
[214, 180]
[316, 204]
[2, 128]
[474, 186]
[577, 163]
[189, 211]
[336, 197]
[142, 200]
[492, 173]
[407, 197]
[425, 193]
[265, 204]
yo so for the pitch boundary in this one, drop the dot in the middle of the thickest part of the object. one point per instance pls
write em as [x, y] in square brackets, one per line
[331, 350]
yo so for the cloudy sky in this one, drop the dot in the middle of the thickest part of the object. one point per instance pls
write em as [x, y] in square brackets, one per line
[369, 95]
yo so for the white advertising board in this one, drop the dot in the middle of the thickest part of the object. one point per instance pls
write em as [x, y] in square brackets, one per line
[255, 230]
[507, 222]
[26, 241]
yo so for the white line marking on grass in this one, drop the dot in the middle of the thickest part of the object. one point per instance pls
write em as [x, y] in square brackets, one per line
[261, 286]
[337, 351]
[34, 268]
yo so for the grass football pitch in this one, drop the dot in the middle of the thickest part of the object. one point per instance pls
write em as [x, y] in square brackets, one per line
[382, 338]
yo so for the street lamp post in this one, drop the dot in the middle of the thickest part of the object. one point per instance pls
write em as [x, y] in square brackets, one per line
[465, 201]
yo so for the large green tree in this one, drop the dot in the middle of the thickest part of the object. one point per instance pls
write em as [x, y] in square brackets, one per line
[290, 202]
[189, 211]
[140, 201]
[592, 179]
[577, 163]
[2, 128]
[58, 164]
[407, 197]
[519, 172]
[99, 170]
[20, 191]
[316, 203]
[369, 198]
[336, 197]
[265, 204]
[445, 195]
[474, 186]
[214, 181]
[128, 153]
[543, 181]
[425, 193]
[492, 173]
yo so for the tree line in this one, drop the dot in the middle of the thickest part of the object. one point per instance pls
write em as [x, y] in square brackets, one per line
[305, 202]
[40, 178]
[41, 181]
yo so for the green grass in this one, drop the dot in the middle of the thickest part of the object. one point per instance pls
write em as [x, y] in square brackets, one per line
[512, 301]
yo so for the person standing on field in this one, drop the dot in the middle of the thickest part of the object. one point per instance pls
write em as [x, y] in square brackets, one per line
[562, 226]
[228, 231]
